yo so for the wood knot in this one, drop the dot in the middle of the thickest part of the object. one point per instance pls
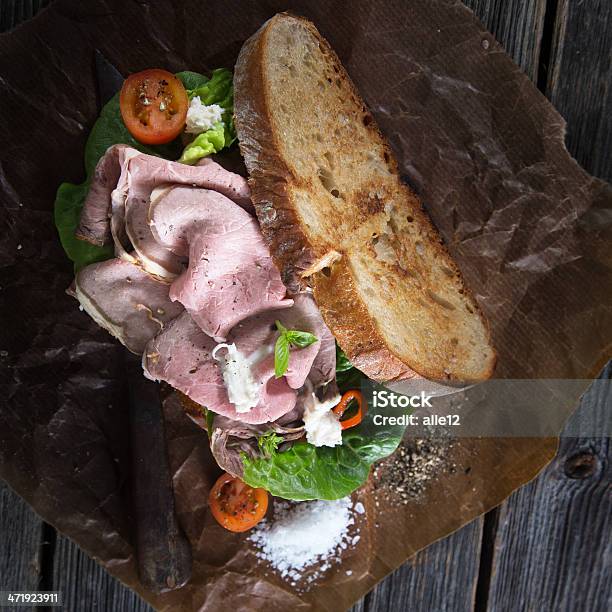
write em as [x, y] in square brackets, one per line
[581, 465]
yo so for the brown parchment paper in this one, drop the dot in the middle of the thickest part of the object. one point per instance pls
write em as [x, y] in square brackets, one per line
[529, 228]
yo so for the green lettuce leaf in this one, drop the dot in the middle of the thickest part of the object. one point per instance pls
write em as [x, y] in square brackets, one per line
[219, 89]
[342, 361]
[307, 472]
[216, 90]
[211, 141]
[108, 130]
[192, 80]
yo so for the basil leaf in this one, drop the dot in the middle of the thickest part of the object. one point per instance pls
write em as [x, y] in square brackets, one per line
[305, 471]
[300, 339]
[281, 355]
[286, 339]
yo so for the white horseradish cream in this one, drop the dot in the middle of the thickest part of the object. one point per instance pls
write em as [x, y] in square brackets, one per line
[323, 427]
[243, 390]
[200, 117]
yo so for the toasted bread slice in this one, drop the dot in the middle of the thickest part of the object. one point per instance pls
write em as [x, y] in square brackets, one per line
[337, 217]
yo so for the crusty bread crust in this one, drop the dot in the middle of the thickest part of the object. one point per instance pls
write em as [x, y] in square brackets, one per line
[385, 221]
[268, 172]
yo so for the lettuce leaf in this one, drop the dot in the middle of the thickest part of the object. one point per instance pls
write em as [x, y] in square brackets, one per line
[216, 90]
[192, 80]
[211, 141]
[219, 89]
[307, 472]
[342, 361]
[108, 130]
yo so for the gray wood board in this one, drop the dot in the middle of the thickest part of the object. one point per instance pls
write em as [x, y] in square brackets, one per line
[21, 532]
[559, 525]
[442, 577]
[518, 27]
[580, 80]
[85, 585]
[553, 548]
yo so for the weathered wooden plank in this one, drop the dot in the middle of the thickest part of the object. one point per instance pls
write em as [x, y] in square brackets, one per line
[20, 543]
[553, 549]
[580, 80]
[559, 525]
[517, 25]
[13, 12]
[86, 586]
[442, 577]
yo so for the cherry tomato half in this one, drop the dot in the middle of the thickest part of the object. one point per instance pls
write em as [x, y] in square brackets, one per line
[154, 106]
[235, 505]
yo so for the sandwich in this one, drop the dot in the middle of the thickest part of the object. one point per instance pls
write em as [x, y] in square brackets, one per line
[264, 298]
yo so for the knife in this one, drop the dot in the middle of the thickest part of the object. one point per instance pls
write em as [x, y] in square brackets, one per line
[109, 80]
[163, 552]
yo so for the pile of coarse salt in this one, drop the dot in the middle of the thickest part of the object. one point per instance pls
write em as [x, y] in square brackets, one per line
[303, 534]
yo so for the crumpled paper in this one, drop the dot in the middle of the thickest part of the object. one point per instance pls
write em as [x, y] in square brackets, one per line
[482, 147]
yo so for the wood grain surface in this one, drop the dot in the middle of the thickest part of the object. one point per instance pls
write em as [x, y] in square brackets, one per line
[21, 535]
[580, 80]
[86, 586]
[518, 25]
[552, 547]
[442, 577]
[13, 12]
[548, 547]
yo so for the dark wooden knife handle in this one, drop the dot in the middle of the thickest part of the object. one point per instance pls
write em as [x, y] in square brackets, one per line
[163, 551]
